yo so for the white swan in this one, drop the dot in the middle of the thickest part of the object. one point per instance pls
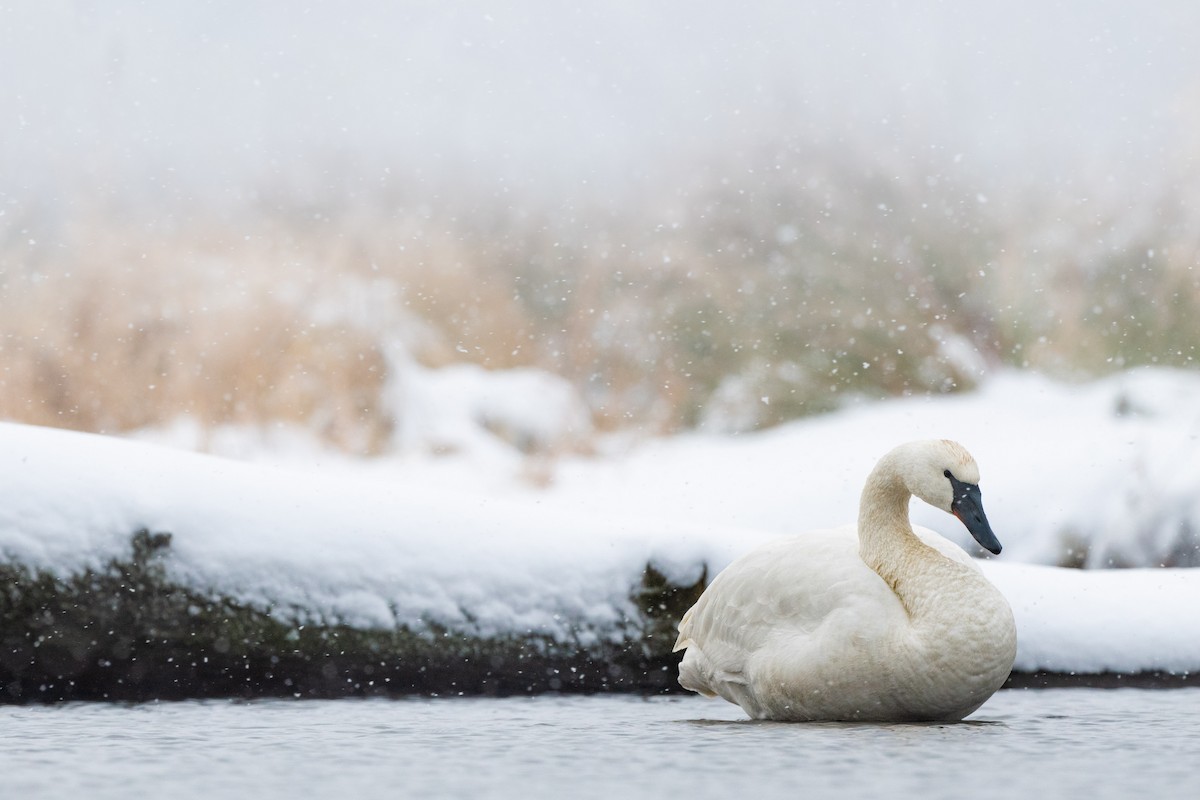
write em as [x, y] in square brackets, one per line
[882, 623]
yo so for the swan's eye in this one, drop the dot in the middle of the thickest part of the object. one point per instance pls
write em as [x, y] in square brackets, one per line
[947, 474]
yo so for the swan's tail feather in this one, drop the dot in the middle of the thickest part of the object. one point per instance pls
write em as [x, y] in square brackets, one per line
[692, 673]
[698, 674]
[685, 630]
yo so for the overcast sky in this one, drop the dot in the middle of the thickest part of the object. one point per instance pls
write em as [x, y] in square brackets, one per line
[210, 99]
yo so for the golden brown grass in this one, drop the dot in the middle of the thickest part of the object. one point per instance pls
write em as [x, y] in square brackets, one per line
[117, 337]
[802, 281]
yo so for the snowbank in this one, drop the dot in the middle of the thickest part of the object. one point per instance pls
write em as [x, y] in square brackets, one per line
[368, 550]
[1105, 474]
[464, 407]
[1102, 621]
[467, 548]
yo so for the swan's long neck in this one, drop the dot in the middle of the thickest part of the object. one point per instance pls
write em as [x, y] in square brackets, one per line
[883, 526]
[888, 545]
[960, 641]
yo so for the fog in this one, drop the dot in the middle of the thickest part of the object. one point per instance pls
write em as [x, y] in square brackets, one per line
[146, 103]
[248, 213]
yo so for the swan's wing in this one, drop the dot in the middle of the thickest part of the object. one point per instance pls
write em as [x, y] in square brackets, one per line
[781, 594]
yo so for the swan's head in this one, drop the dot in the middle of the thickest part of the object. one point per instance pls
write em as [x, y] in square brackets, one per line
[943, 474]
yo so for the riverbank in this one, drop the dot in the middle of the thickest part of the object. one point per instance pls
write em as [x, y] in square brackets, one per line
[135, 571]
[127, 631]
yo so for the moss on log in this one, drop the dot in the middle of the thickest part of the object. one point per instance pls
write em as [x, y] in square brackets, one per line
[126, 632]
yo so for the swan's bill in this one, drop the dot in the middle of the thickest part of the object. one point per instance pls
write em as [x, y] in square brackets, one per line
[968, 507]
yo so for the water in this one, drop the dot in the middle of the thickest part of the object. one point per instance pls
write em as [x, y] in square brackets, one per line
[1065, 743]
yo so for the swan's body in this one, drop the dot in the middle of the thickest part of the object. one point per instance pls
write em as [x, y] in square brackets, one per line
[875, 622]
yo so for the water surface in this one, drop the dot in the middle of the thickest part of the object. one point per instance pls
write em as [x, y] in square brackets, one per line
[1068, 742]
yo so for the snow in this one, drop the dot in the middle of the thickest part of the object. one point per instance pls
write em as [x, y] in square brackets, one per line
[1100, 473]
[1102, 620]
[1103, 474]
[366, 549]
[464, 406]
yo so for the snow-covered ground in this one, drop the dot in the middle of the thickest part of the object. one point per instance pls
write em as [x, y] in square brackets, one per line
[488, 540]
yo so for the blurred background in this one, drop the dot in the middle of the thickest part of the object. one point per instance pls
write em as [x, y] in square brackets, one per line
[660, 216]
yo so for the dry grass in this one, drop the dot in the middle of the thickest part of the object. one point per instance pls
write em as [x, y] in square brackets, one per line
[118, 338]
[805, 278]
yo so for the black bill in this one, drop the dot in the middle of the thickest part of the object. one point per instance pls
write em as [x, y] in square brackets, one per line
[968, 507]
